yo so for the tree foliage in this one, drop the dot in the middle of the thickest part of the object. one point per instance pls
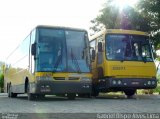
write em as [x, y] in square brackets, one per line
[1, 80]
[151, 9]
[145, 17]
[128, 18]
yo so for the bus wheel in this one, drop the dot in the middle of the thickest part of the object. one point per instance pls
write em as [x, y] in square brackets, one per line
[40, 96]
[86, 95]
[95, 91]
[71, 96]
[129, 93]
[10, 93]
[30, 95]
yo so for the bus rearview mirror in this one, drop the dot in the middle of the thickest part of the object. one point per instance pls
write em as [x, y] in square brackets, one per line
[93, 55]
[99, 46]
[33, 49]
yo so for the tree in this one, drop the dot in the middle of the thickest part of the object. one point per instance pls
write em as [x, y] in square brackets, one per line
[1, 82]
[145, 17]
[151, 9]
[128, 18]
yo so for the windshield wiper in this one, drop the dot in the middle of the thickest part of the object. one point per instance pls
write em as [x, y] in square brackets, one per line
[122, 60]
[144, 59]
[74, 60]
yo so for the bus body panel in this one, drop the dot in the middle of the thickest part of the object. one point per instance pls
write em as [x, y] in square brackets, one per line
[130, 69]
[130, 74]
[21, 69]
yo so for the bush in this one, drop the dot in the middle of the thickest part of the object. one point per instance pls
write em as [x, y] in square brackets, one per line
[158, 78]
[151, 91]
[1, 82]
[157, 89]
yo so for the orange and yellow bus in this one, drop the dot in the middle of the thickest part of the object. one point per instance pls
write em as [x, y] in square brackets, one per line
[50, 60]
[122, 60]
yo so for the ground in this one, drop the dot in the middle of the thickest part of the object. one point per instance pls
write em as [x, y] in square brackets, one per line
[83, 106]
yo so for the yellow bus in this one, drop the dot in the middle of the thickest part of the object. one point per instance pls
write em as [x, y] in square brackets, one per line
[50, 60]
[122, 60]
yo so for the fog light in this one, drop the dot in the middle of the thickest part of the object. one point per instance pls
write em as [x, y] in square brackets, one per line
[42, 86]
[153, 82]
[87, 86]
[149, 82]
[119, 82]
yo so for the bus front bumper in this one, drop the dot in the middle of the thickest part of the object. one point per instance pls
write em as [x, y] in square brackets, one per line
[60, 87]
[127, 83]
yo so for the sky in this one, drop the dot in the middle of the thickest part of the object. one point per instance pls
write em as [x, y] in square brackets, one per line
[19, 17]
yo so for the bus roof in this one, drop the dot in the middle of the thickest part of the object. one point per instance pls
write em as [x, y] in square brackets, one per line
[118, 31]
[60, 27]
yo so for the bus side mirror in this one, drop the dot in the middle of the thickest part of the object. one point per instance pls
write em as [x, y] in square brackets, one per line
[99, 46]
[93, 54]
[33, 49]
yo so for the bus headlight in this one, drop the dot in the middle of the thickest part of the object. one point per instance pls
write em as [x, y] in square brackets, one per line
[114, 82]
[119, 82]
[44, 78]
[149, 82]
[86, 79]
[153, 83]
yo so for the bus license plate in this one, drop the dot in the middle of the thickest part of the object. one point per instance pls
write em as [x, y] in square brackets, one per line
[135, 83]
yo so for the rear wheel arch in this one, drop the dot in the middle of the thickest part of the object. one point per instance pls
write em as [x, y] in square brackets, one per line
[26, 84]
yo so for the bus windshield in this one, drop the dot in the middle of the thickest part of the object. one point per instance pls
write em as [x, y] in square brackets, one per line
[61, 50]
[122, 47]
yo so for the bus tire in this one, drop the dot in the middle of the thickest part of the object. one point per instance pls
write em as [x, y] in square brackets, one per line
[95, 90]
[31, 96]
[129, 93]
[85, 95]
[71, 96]
[10, 93]
[40, 96]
